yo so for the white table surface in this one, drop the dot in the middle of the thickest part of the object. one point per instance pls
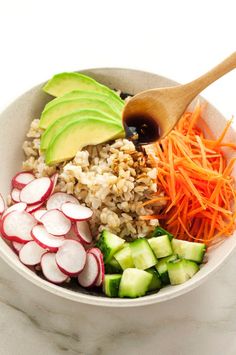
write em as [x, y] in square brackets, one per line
[177, 39]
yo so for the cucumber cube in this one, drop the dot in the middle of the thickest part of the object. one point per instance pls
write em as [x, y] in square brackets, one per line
[124, 258]
[161, 246]
[181, 271]
[156, 281]
[111, 285]
[134, 283]
[113, 267]
[161, 267]
[109, 244]
[158, 231]
[142, 254]
[189, 250]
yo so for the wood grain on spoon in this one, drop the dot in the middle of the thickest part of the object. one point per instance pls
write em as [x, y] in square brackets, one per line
[152, 114]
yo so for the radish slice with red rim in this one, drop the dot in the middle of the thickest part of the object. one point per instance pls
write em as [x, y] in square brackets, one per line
[71, 257]
[45, 239]
[76, 212]
[56, 223]
[57, 199]
[84, 232]
[72, 234]
[33, 208]
[17, 225]
[15, 195]
[21, 206]
[54, 179]
[88, 277]
[36, 191]
[31, 254]
[22, 179]
[17, 246]
[39, 213]
[2, 204]
[50, 269]
[97, 252]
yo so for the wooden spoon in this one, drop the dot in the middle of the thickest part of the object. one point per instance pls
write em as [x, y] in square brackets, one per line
[152, 114]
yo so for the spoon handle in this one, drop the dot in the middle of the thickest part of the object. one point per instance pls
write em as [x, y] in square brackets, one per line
[196, 86]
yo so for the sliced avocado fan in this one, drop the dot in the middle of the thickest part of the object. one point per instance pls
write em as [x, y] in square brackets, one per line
[62, 83]
[78, 134]
[67, 106]
[61, 122]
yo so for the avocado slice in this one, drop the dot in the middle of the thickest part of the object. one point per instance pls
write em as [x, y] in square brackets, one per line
[67, 106]
[61, 122]
[78, 134]
[62, 83]
[117, 104]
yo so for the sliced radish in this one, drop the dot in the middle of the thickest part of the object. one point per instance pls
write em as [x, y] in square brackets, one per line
[56, 200]
[97, 252]
[54, 179]
[31, 253]
[15, 195]
[17, 225]
[71, 257]
[88, 276]
[76, 212]
[2, 204]
[72, 234]
[39, 213]
[36, 191]
[56, 223]
[17, 246]
[21, 206]
[84, 232]
[22, 179]
[45, 239]
[50, 269]
[33, 208]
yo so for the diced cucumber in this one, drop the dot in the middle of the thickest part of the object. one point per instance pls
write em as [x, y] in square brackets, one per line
[111, 285]
[161, 267]
[189, 250]
[142, 254]
[181, 270]
[156, 281]
[124, 257]
[134, 283]
[113, 267]
[158, 231]
[161, 246]
[109, 244]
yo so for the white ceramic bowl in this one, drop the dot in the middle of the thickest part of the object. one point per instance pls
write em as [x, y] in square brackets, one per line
[15, 122]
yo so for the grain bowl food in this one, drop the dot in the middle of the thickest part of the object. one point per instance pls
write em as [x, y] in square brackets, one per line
[91, 206]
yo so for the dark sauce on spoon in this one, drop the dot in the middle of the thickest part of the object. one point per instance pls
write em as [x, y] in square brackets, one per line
[141, 130]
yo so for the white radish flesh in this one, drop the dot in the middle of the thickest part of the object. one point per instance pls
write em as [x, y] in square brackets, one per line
[21, 206]
[33, 208]
[39, 213]
[56, 200]
[71, 257]
[55, 222]
[84, 232]
[45, 239]
[36, 191]
[97, 252]
[88, 276]
[22, 179]
[15, 195]
[72, 234]
[31, 254]
[17, 246]
[17, 225]
[2, 204]
[50, 269]
[76, 212]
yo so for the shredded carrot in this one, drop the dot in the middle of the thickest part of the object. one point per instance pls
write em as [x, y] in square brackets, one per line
[194, 176]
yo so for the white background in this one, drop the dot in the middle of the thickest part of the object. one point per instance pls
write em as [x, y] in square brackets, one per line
[180, 39]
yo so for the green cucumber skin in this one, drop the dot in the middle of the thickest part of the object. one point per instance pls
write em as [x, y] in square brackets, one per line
[111, 285]
[159, 231]
[113, 267]
[156, 280]
[161, 267]
[107, 246]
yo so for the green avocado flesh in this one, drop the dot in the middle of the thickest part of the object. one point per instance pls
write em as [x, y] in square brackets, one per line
[62, 83]
[111, 100]
[61, 122]
[78, 134]
[67, 106]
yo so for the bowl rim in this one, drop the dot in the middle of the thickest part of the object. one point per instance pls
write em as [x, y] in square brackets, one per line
[103, 301]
